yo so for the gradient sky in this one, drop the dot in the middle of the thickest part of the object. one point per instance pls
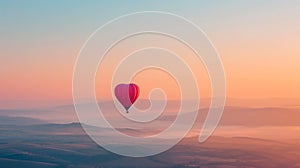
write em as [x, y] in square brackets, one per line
[258, 42]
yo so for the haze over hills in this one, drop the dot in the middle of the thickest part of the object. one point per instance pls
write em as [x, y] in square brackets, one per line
[204, 102]
[232, 115]
[5, 120]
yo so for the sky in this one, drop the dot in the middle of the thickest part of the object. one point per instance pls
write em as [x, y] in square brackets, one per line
[258, 42]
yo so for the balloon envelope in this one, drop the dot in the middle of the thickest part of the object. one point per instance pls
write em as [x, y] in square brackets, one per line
[127, 94]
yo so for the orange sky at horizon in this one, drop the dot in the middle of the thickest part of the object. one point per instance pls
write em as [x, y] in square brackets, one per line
[275, 76]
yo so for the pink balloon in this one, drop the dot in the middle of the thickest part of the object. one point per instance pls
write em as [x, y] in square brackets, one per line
[127, 94]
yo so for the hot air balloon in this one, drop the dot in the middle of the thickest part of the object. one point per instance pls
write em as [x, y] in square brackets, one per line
[127, 94]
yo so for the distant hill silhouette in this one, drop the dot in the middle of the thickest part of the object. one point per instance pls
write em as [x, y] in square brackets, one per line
[5, 120]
